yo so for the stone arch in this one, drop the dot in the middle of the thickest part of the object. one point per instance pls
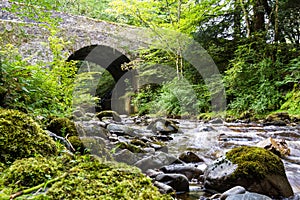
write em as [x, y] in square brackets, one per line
[111, 60]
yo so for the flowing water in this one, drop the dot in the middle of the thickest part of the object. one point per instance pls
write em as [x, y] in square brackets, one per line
[210, 141]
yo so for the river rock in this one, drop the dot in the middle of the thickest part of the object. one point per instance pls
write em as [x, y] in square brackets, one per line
[120, 129]
[189, 171]
[277, 119]
[248, 196]
[153, 173]
[177, 181]
[233, 191]
[91, 128]
[278, 147]
[163, 188]
[109, 113]
[190, 157]
[125, 156]
[256, 169]
[155, 161]
[216, 121]
[163, 126]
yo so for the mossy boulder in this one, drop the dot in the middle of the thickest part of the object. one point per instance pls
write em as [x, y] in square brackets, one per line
[256, 169]
[22, 137]
[80, 177]
[62, 127]
[109, 113]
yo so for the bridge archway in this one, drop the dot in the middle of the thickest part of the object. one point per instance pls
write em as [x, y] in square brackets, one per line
[111, 60]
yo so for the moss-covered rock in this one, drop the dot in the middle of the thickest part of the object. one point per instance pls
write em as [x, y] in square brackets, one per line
[255, 162]
[28, 172]
[77, 144]
[256, 169]
[22, 137]
[109, 113]
[83, 177]
[62, 127]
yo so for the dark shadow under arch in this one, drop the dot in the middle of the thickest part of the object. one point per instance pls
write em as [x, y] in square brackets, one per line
[111, 60]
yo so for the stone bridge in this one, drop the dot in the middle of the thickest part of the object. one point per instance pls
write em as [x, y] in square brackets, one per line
[110, 45]
[107, 44]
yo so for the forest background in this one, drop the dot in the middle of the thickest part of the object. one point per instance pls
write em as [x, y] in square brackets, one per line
[255, 45]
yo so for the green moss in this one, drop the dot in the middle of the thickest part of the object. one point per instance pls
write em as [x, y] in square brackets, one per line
[82, 177]
[62, 127]
[29, 172]
[131, 147]
[255, 162]
[98, 180]
[22, 137]
[77, 144]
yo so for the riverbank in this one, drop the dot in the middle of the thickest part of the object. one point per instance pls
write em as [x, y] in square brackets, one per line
[172, 154]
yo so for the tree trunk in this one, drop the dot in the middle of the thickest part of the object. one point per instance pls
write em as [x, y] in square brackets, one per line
[259, 16]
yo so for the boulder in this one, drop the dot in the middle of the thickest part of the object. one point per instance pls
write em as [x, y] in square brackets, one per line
[119, 129]
[256, 169]
[91, 128]
[125, 156]
[233, 191]
[248, 196]
[163, 126]
[190, 157]
[109, 113]
[155, 161]
[62, 127]
[277, 119]
[189, 171]
[177, 181]
[163, 188]
[278, 147]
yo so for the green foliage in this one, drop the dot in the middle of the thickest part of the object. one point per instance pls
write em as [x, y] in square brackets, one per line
[21, 137]
[292, 103]
[35, 88]
[253, 81]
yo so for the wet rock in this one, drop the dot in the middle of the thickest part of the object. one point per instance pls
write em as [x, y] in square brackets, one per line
[277, 119]
[155, 161]
[91, 128]
[190, 157]
[248, 196]
[163, 126]
[177, 181]
[130, 147]
[233, 191]
[120, 130]
[95, 145]
[256, 169]
[125, 156]
[163, 188]
[153, 173]
[189, 171]
[109, 113]
[216, 121]
[278, 147]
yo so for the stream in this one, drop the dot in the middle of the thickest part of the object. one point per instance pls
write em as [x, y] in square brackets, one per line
[210, 141]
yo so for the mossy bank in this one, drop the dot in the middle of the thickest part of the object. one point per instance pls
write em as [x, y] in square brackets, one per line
[33, 166]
